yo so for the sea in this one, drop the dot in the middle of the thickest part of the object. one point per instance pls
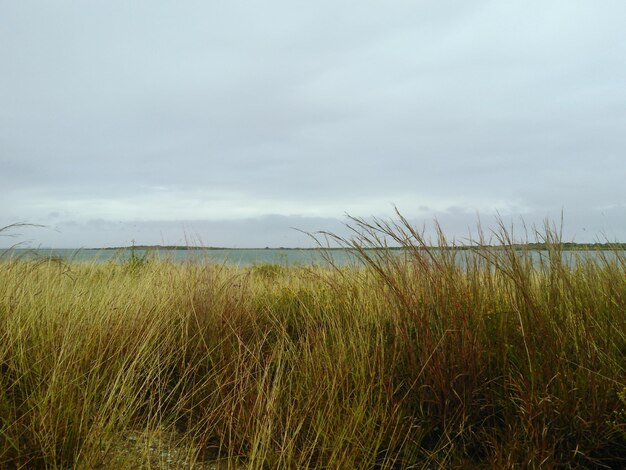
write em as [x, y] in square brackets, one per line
[241, 257]
[251, 256]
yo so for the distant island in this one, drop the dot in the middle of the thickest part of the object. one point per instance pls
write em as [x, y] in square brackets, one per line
[567, 246]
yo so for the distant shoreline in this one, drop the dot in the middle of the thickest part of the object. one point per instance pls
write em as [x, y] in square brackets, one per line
[524, 246]
[568, 246]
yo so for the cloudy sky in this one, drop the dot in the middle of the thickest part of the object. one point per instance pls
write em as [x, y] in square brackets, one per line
[232, 122]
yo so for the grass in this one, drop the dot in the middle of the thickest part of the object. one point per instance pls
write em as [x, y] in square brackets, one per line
[483, 358]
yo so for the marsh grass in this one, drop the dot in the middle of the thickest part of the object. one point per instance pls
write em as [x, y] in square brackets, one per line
[431, 358]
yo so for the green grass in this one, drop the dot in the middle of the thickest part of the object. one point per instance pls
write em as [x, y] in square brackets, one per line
[415, 361]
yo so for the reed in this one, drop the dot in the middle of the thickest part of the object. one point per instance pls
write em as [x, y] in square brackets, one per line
[416, 358]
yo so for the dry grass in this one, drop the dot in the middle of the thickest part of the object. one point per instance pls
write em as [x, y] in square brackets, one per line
[416, 360]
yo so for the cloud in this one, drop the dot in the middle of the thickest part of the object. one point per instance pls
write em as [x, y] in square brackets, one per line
[226, 111]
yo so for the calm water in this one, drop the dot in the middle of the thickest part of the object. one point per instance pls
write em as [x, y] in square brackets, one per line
[246, 257]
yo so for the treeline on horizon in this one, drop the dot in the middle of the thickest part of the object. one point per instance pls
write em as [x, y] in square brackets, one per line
[566, 246]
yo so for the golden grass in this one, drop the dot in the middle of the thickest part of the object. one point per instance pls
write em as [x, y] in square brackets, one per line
[412, 361]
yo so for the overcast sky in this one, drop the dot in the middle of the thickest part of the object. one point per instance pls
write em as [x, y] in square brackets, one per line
[231, 122]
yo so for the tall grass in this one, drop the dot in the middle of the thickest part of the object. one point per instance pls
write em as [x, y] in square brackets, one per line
[419, 358]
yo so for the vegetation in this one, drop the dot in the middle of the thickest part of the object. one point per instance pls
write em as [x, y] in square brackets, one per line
[482, 358]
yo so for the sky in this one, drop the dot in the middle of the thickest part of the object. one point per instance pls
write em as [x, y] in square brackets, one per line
[232, 123]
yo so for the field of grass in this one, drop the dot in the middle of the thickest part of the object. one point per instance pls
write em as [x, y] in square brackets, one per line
[413, 361]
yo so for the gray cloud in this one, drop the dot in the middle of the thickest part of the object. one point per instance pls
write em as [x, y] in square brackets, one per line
[226, 113]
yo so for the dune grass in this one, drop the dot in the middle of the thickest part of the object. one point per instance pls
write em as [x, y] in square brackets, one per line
[482, 358]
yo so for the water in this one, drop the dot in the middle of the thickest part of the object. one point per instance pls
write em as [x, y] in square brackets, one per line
[248, 257]
[242, 257]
